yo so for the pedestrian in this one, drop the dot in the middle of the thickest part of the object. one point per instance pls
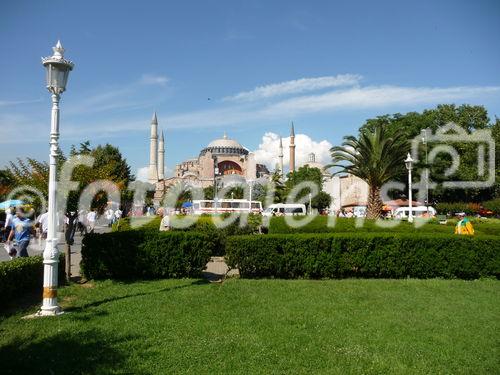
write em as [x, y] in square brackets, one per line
[71, 222]
[110, 216]
[91, 219]
[8, 223]
[43, 222]
[82, 218]
[21, 232]
[165, 222]
[118, 214]
[464, 226]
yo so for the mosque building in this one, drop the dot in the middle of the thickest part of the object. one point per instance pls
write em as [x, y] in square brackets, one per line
[221, 157]
[225, 157]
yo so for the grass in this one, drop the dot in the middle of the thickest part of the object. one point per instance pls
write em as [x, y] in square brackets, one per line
[321, 224]
[261, 327]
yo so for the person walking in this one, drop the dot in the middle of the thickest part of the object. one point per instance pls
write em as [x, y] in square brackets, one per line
[21, 231]
[110, 216]
[91, 219]
[118, 214]
[43, 222]
[82, 218]
[8, 224]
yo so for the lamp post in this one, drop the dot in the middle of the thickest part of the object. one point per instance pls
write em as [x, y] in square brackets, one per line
[409, 166]
[250, 185]
[424, 142]
[57, 71]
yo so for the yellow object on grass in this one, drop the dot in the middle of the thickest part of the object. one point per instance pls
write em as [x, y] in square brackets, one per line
[465, 227]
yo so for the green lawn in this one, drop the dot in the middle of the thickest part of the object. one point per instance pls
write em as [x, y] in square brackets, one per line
[262, 326]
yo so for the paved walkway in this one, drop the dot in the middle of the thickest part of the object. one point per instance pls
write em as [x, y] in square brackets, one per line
[36, 248]
[217, 270]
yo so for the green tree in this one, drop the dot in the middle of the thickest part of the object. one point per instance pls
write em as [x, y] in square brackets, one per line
[376, 157]
[6, 183]
[470, 118]
[109, 165]
[321, 201]
[305, 173]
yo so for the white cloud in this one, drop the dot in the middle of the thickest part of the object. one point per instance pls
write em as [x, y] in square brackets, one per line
[153, 79]
[5, 103]
[376, 97]
[142, 174]
[295, 87]
[79, 123]
[268, 150]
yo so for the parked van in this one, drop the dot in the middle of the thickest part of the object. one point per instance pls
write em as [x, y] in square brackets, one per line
[418, 211]
[285, 209]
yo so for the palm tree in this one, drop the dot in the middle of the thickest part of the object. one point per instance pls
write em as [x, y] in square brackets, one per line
[376, 158]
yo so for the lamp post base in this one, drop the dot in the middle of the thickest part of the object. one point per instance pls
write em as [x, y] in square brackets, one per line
[43, 313]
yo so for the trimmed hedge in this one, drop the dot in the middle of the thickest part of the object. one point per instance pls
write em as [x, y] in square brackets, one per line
[145, 254]
[373, 255]
[21, 276]
[319, 224]
[203, 225]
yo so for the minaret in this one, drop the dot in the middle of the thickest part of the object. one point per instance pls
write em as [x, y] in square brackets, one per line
[153, 151]
[280, 156]
[292, 149]
[161, 158]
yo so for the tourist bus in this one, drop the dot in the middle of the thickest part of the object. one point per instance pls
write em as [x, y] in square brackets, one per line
[417, 211]
[206, 206]
[285, 209]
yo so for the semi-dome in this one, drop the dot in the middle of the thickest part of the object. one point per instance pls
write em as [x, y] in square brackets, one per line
[225, 146]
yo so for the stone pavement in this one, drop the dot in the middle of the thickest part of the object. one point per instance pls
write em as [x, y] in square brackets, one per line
[36, 248]
[217, 270]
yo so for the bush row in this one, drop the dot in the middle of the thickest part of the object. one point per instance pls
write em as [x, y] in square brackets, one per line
[493, 205]
[22, 276]
[364, 255]
[145, 254]
[204, 225]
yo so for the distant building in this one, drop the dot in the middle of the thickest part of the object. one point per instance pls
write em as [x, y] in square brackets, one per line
[221, 157]
[225, 157]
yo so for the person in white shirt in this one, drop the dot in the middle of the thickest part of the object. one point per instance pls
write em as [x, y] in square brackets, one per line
[8, 223]
[91, 219]
[43, 220]
[110, 216]
[43, 226]
[118, 214]
[165, 222]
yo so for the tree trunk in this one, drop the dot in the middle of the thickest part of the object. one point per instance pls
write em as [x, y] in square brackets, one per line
[375, 204]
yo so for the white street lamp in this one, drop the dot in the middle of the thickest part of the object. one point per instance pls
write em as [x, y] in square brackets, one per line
[58, 69]
[250, 185]
[409, 166]
[310, 204]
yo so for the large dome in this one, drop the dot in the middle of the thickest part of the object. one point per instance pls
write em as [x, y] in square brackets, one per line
[224, 142]
[225, 146]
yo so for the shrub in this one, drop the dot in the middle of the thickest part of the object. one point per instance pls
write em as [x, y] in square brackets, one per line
[21, 276]
[452, 208]
[493, 205]
[204, 225]
[145, 254]
[364, 255]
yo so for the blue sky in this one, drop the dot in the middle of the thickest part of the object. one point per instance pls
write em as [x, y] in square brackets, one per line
[325, 65]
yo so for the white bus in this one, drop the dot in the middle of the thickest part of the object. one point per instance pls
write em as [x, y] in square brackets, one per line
[285, 209]
[225, 205]
[418, 211]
